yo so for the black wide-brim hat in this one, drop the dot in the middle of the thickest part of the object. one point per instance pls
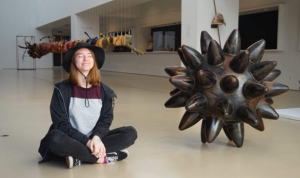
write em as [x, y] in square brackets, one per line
[98, 52]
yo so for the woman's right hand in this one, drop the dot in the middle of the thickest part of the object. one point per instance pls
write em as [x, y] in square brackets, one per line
[97, 147]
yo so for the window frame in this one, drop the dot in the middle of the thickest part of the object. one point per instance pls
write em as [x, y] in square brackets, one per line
[280, 28]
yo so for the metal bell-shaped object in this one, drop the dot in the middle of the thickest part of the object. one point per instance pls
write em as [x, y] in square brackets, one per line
[218, 20]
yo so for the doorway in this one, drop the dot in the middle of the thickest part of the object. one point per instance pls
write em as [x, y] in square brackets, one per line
[59, 57]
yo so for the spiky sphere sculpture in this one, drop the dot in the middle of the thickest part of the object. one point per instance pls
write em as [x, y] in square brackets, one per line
[226, 88]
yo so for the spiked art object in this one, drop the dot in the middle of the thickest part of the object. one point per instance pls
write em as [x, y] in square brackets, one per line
[225, 88]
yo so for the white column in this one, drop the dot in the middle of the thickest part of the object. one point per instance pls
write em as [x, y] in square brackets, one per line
[73, 26]
[197, 15]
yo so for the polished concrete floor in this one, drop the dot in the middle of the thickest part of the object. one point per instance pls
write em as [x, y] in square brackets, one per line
[161, 150]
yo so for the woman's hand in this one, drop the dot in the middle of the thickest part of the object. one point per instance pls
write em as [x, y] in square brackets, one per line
[97, 147]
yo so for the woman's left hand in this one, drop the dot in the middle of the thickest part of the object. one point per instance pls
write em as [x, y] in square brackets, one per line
[98, 148]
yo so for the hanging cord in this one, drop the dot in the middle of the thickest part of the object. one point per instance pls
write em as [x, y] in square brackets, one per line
[86, 100]
[106, 20]
[115, 7]
[110, 9]
[121, 20]
[104, 26]
[117, 19]
[125, 18]
[102, 15]
[98, 15]
[102, 20]
[218, 25]
[129, 18]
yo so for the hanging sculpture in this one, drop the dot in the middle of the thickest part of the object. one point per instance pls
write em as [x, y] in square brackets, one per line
[105, 40]
[224, 88]
[37, 50]
[122, 40]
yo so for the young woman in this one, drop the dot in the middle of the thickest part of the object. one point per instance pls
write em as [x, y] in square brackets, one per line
[82, 112]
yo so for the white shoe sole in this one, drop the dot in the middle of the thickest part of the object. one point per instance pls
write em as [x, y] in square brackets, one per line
[125, 151]
[69, 161]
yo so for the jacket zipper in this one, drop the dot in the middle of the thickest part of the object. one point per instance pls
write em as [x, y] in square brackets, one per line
[63, 101]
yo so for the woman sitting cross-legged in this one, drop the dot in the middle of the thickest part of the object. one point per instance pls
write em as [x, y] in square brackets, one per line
[82, 112]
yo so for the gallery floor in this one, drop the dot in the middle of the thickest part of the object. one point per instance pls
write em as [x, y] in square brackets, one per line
[161, 150]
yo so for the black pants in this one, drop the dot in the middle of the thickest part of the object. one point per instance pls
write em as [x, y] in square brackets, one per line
[61, 144]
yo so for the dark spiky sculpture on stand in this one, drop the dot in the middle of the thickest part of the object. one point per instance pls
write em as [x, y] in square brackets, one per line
[226, 88]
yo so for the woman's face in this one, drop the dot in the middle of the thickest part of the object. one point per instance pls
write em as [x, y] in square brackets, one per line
[84, 60]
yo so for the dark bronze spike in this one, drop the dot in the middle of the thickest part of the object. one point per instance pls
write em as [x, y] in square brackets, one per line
[266, 111]
[213, 128]
[269, 101]
[174, 70]
[229, 84]
[256, 51]
[225, 129]
[260, 126]
[233, 43]
[239, 63]
[252, 90]
[180, 53]
[247, 115]
[178, 100]
[192, 57]
[206, 79]
[196, 103]
[224, 107]
[174, 91]
[236, 132]
[215, 55]
[205, 40]
[262, 69]
[275, 89]
[203, 131]
[189, 119]
[183, 83]
[273, 75]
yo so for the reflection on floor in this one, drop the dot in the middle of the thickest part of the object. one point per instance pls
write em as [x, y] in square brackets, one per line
[161, 150]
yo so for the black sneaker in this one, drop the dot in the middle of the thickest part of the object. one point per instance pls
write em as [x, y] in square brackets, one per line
[71, 162]
[116, 156]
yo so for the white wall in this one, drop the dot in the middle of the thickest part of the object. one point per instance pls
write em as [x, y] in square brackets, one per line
[197, 16]
[28, 14]
[148, 64]
[144, 16]
[149, 14]
[18, 18]
[87, 21]
[48, 11]
[289, 59]
[21, 17]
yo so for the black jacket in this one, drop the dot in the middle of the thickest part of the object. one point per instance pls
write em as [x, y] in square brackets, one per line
[59, 109]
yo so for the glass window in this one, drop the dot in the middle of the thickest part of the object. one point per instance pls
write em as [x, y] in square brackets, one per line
[169, 40]
[166, 38]
[158, 41]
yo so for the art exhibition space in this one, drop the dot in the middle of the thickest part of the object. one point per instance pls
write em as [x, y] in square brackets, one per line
[188, 88]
